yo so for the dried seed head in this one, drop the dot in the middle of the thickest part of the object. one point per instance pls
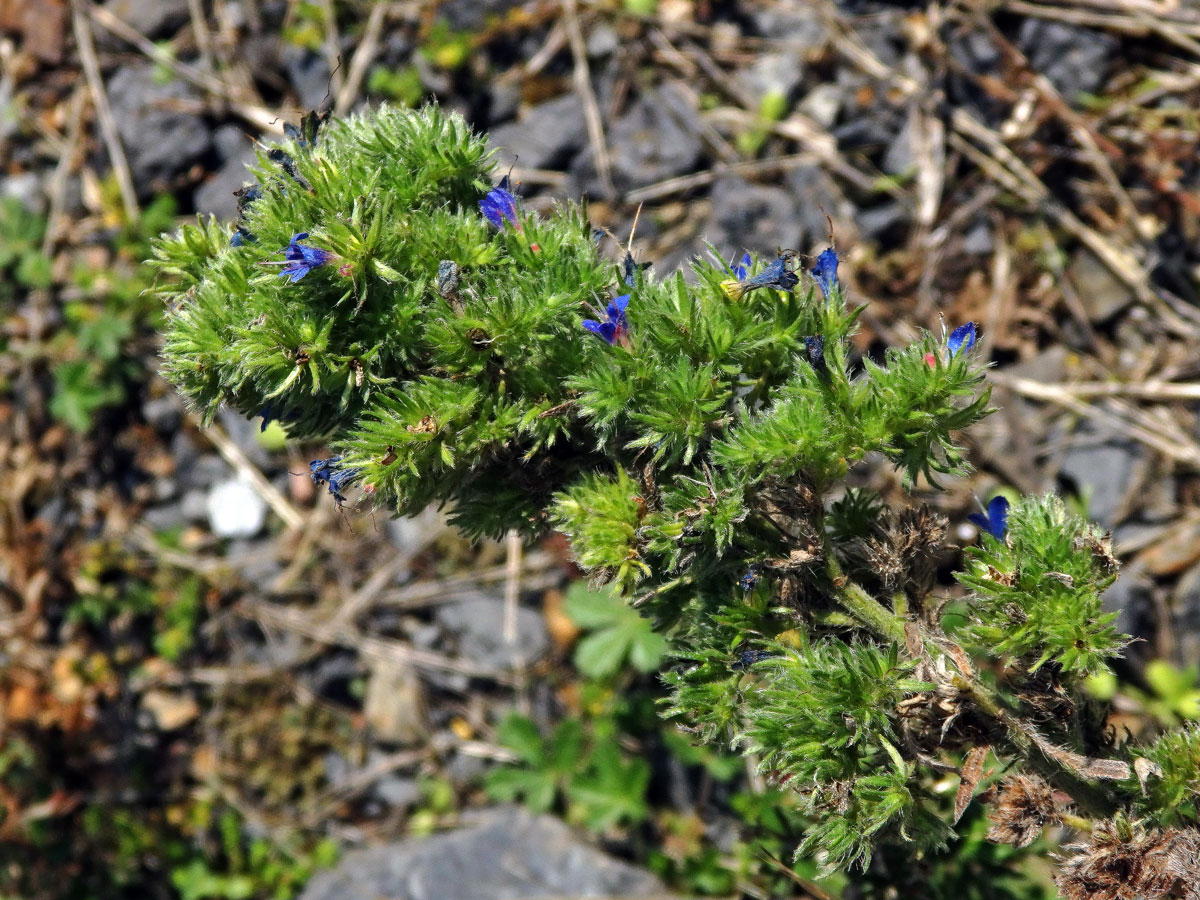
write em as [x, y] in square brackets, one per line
[1126, 862]
[903, 550]
[1023, 806]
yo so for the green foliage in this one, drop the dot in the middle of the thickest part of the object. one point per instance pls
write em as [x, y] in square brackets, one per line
[1037, 595]
[599, 784]
[618, 634]
[839, 744]
[95, 363]
[21, 257]
[401, 86]
[697, 463]
[1172, 786]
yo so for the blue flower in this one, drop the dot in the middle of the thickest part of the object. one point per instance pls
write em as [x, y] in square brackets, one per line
[748, 581]
[814, 348]
[825, 272]
[615, 325]
[300, 260]
[777, 275]
[995, 521]
[630, 269]
[742, 268]
[747, 658]
[242, 236]
[330, 472]
[499, 205]
[961, 338]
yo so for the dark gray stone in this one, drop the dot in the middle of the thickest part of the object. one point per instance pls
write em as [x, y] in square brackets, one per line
[795, 25]
[167, 517]
[752, 217]
[153, 18]
[1101, 467]
[1132, 598]
[244, 433]
[814, 194]
[232, 142]
[978, 239]
[545, 136]
[473, 15]
[1185, 617]
[1101, 293]
[1074, 59]
[654, 140]
[772, 73]
[901, 155]
[160, 141]
[509, 855]
[477, 620]
[202, 472]
[878, 221]
[215, 197]
[163, 413]
[308, 73]
[397, 791]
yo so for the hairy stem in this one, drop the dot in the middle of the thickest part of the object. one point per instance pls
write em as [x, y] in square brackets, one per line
[1061, 767]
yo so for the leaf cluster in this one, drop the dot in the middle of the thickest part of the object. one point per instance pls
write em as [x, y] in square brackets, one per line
[1037, 595]
[824, 720]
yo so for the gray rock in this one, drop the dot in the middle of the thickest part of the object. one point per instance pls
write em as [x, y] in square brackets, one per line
[167, 517]
[244, 432]
[822, 104]
[163, 413]
[978, 239]
[814, 194]
[509, 855]
[1101, 467]
[473, 15]
[411, 534]
[153, 18]
[1185, 617]
[1102, 294]
[478, 622]
[215, 196]
[544, 136]
[1074, 59]
[793, 24]
[160, 141]
[901, 155]
[1132, 598]
[397, 791]
[308, 73]
[772, 73]
[1048, 366]
[232, 143]
[506, 101]
[876, 222]
[602, 40]
[651, 142]
[235, 509]
[752, 217]
[26, 189]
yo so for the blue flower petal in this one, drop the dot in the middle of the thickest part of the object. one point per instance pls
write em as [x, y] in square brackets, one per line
[742, 268]
[825, 271]
[499, 206]
[995, 521]
[961, 338]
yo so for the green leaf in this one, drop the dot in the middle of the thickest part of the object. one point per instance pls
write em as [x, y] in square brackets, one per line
[601, 653]
[593, 609]
[521, 736]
